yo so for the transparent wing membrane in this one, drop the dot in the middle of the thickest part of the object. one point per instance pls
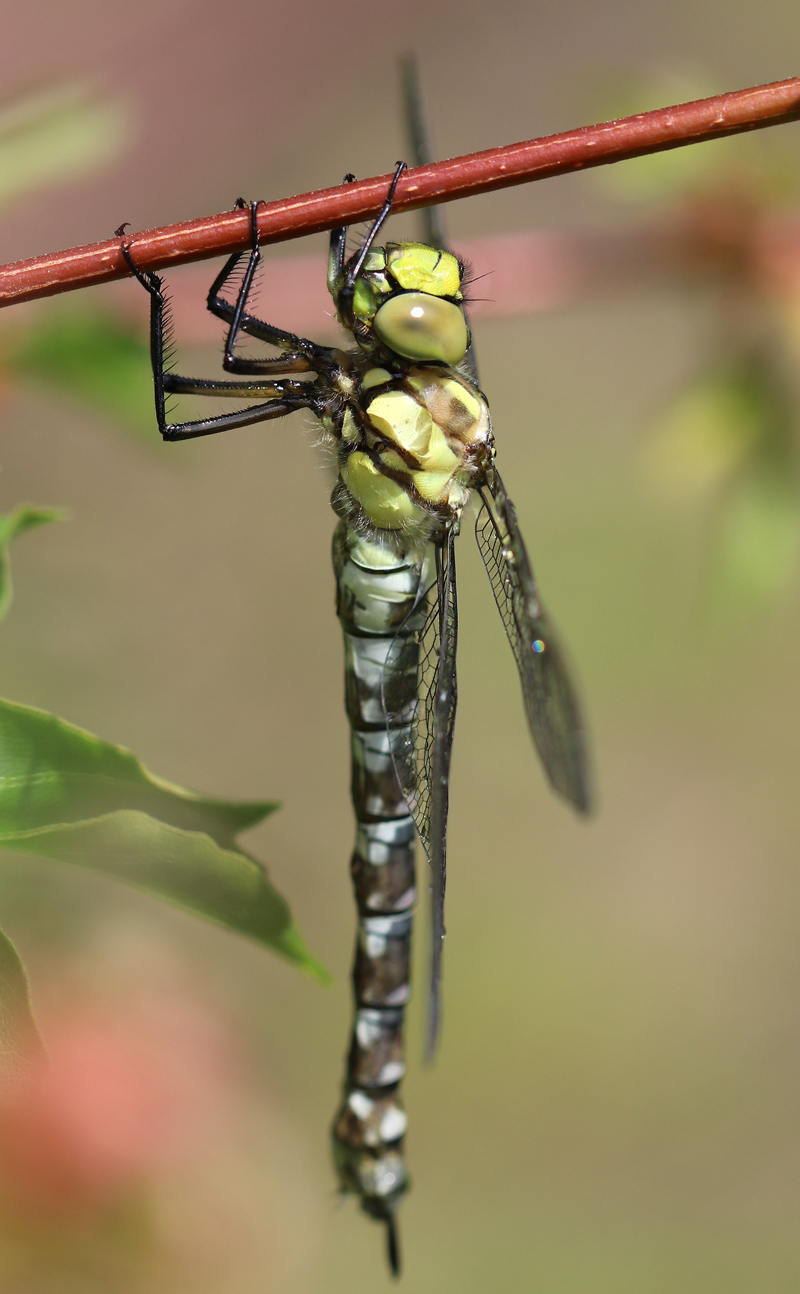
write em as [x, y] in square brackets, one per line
[444, 714]
[422, 762]
[550, 702]
[413, 755]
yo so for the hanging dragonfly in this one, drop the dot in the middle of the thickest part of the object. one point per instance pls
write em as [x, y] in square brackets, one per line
[413, 439]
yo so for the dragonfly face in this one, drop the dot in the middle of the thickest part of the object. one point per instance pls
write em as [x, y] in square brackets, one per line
[406, 300]
[413, 438]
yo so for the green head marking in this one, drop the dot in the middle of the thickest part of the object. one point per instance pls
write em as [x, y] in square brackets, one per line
[418, 268]
[372, 286]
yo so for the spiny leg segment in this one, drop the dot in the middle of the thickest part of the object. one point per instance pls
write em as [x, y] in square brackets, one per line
[278, 397]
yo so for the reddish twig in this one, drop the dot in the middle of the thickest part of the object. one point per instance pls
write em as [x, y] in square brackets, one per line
[460, 177]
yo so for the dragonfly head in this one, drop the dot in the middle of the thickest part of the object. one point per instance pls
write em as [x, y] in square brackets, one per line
[407, 301]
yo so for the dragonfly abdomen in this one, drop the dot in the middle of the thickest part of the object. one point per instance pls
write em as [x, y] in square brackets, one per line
[379, 578]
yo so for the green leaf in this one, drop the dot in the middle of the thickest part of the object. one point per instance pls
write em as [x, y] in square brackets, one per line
[19, 1038]
[12, 524]
[187, 868]
[92, 356]
[67, 795]
[53, 772]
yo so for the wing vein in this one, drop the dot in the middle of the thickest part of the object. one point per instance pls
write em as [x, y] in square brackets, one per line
[550, 700]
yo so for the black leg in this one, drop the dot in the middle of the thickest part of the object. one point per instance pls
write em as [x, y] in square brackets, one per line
[282, 397]
[336, 252]
[344, 296]
[276, 408]
[354, 269]
[300, 355]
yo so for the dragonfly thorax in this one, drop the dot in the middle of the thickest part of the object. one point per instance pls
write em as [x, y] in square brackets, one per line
[414, 445]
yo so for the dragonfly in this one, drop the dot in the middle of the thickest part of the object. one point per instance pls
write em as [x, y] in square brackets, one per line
[414, 443]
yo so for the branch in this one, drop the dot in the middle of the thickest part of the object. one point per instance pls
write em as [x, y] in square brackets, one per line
[460, 177]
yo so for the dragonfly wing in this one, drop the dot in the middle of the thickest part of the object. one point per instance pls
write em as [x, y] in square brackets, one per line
[444, 715]
[550, 701]
[423, 763]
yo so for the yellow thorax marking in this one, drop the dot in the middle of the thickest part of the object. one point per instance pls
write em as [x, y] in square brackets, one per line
[398, 417]
[450, 402]
[374, 377]
[385, 502]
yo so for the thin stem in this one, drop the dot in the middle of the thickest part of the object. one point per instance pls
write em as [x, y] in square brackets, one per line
[460, 177]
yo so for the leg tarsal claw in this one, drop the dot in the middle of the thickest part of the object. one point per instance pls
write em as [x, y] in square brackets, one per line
[151, 282]
[254, 222]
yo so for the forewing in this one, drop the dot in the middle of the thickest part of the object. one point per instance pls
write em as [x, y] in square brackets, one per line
[422, 762]
[550, 701]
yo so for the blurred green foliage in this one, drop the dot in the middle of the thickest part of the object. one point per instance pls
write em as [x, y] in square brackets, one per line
[90, 355]
[730, 439]
[724, 423]
[760, 158]
[15, 523]
[58, 132]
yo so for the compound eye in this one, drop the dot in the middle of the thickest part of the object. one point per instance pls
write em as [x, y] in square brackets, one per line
[419, 326]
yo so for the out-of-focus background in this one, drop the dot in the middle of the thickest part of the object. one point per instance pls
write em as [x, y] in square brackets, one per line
[614, 1107]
